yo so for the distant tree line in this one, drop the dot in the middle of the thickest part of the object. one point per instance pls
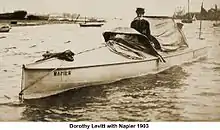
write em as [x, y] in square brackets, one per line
[19, 15]
[211, 14]
[22, 15]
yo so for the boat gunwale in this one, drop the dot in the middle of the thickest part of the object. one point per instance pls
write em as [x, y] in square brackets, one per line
[111, 64]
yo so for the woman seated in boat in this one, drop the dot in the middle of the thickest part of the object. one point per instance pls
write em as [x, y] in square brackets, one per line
[143, 26]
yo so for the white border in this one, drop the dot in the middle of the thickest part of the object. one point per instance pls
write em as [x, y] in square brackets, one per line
[151, 125]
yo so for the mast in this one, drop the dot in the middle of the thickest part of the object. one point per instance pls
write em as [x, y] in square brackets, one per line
[188, 10]
[85, 19]
[216, 13]
[200, 29]
[200, 24]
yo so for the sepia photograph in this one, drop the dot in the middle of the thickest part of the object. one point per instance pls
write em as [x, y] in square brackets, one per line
[110, 61]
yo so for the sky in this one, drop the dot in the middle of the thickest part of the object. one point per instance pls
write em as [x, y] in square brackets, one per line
[104, 8]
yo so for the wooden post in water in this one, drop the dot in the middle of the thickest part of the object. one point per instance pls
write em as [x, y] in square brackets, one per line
[200, 25]
[188, 11]
[200, 29]
[216, 14]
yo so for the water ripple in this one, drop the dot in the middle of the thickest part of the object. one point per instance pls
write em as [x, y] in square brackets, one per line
[189, 92]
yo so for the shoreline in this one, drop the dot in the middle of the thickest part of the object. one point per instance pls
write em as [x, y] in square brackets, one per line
[21, 23]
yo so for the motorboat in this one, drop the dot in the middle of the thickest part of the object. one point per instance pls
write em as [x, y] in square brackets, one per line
[111, 61]
[91, 24]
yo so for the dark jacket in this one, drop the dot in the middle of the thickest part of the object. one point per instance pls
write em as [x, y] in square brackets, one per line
[141, 25]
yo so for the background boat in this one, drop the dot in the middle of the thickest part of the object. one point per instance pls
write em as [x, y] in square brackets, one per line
[216, 24]
[189, 19]
[5, 28]
[90, 24]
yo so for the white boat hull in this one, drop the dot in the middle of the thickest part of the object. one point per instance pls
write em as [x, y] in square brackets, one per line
[91, 24]
[53, 81]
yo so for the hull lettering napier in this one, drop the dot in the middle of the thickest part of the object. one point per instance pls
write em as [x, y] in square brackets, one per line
[62, 73]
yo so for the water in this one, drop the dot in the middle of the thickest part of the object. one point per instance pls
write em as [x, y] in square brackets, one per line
[189, 92]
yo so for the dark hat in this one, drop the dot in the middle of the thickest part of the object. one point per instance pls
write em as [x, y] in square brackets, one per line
[140, 10]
